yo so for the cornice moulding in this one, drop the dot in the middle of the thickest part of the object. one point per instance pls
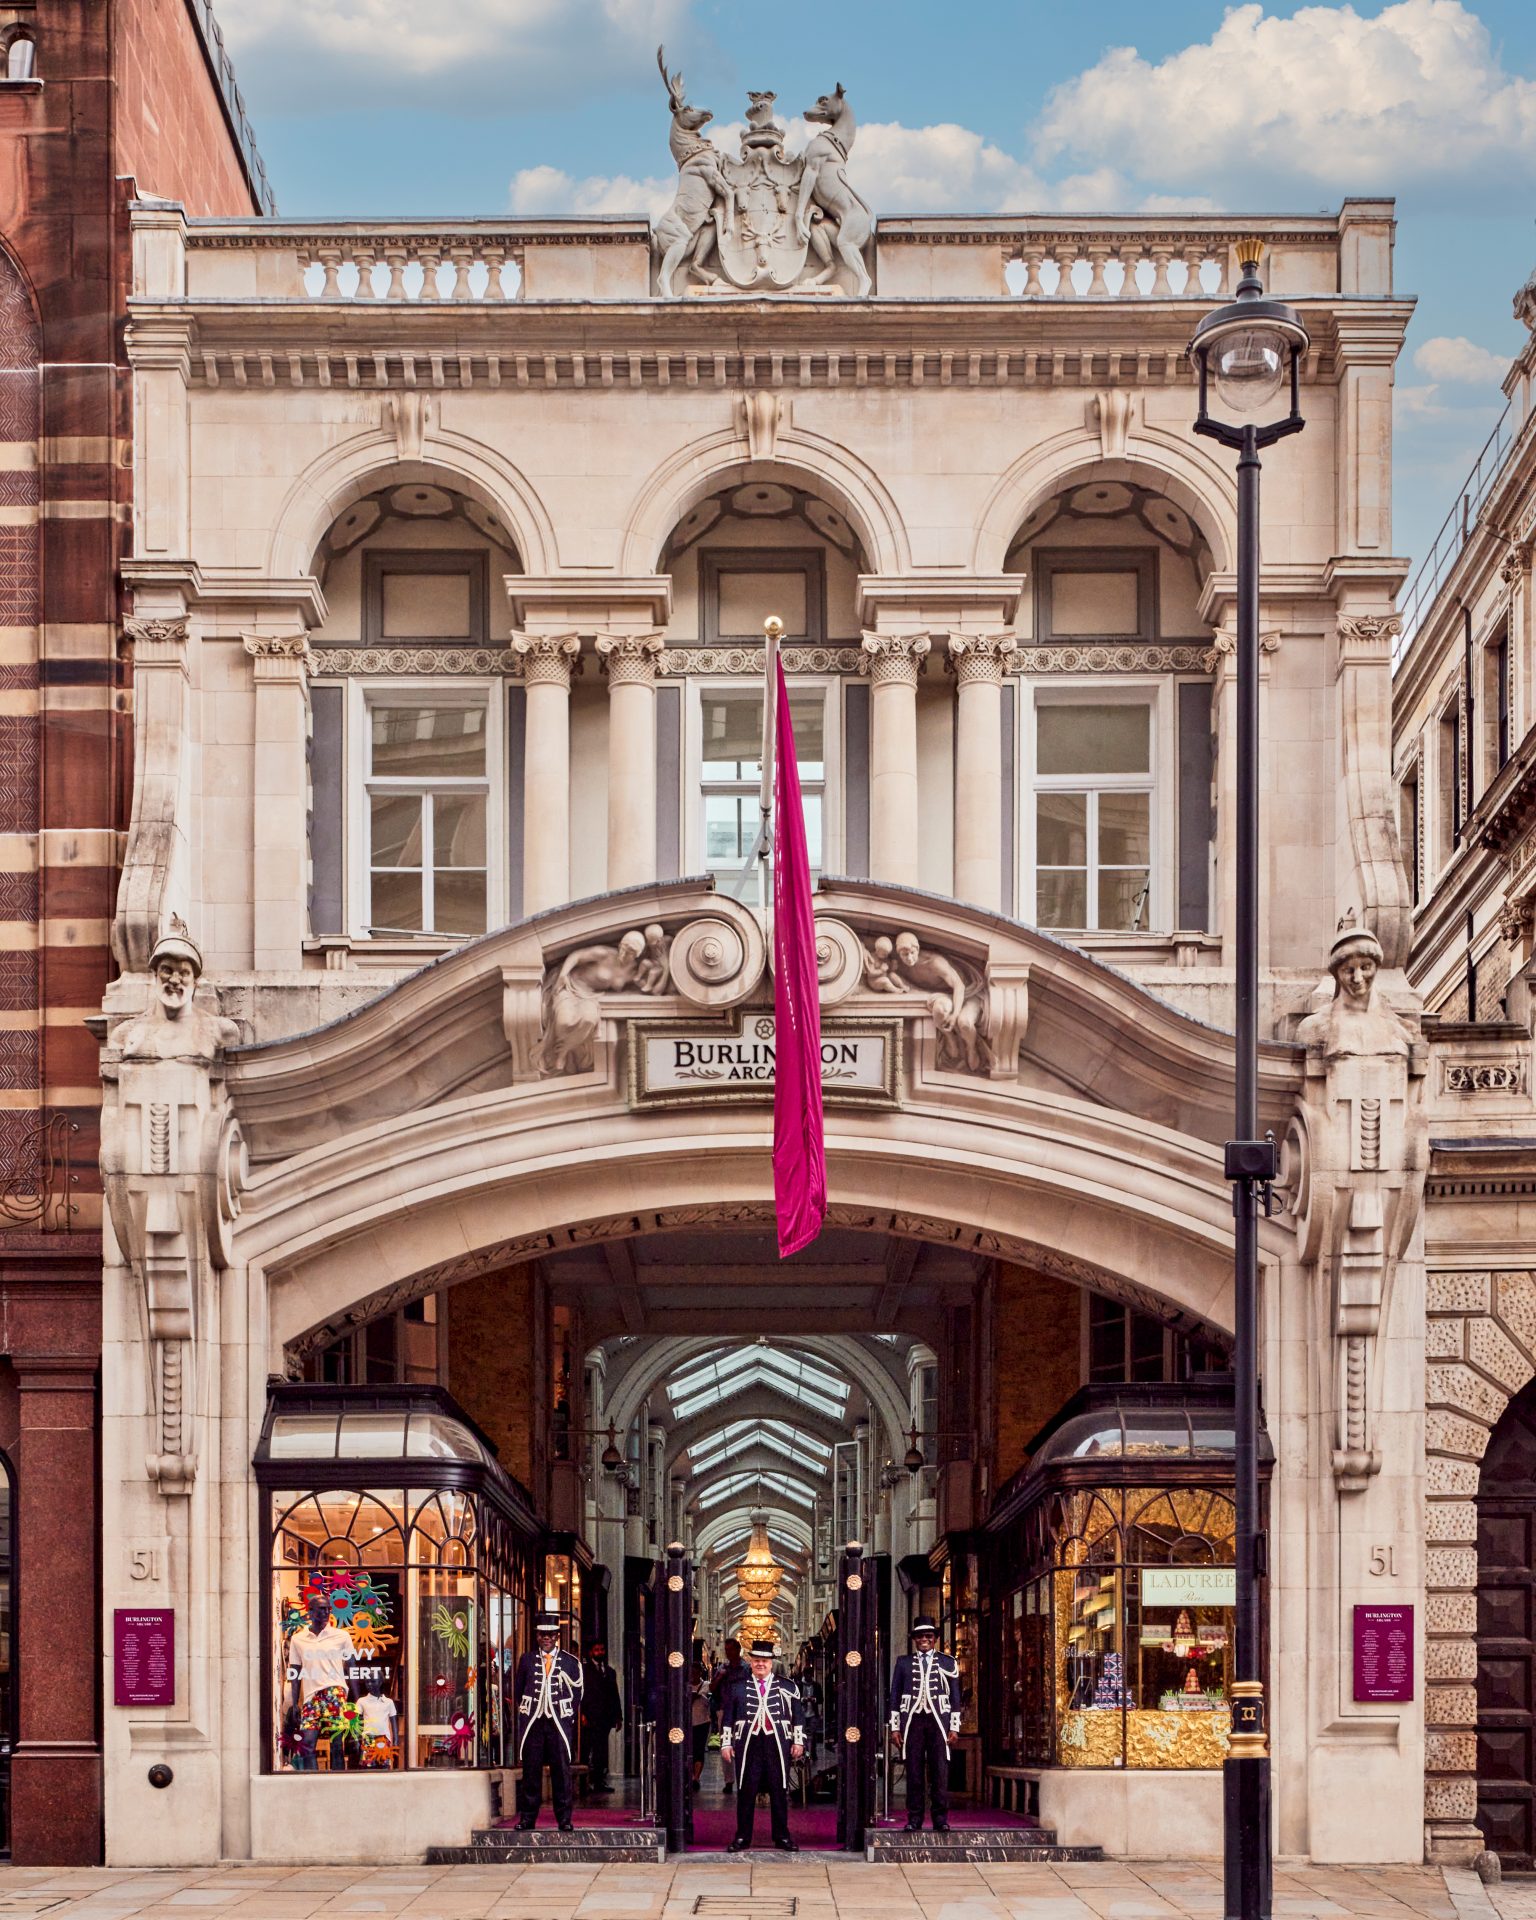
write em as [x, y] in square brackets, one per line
[648, 596]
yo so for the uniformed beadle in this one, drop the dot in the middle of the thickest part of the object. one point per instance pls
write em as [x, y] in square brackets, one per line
[925, 1718]
[549, 1687]
[764, 1736]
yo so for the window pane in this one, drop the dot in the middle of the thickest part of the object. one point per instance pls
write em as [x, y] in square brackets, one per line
[395, 902]
[747, 600]
[458, 830]
[395, 830]
[810, 807]
[420, 743]
[730, 827]
[1123, 897]
[1125, 829]
[458, 902]
[808, 717]
[1061, 900]
[1092, 604]
[426, 606]
[1061, 829]
[733, 735]
[1094, 738]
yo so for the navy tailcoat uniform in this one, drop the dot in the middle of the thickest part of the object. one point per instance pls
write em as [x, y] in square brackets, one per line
[765, 1725]
[548, 1714]
[925, 1717]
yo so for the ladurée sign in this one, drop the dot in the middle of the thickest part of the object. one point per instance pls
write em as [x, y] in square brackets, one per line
[675, 1065]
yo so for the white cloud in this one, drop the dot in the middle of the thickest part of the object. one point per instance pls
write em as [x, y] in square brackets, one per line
[1454, 358]
[899, 170]
[465, 55]
[1326, 98]
[551, 190]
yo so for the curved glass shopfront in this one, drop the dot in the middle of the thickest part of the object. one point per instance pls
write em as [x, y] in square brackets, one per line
[1112, 1584]
[400, 1563]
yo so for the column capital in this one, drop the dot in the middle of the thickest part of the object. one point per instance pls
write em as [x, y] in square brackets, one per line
[1367, 639]
[157, 643]
[549, 659]
[632, 659]
[893, 659]
[280, 657]
[981, 659]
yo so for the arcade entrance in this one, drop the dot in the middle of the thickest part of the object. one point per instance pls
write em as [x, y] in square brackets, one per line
[723, 1449]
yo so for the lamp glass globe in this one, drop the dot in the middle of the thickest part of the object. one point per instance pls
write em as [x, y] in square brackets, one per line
[1249, 364]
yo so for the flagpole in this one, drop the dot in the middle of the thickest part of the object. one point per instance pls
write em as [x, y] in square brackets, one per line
[773, 630]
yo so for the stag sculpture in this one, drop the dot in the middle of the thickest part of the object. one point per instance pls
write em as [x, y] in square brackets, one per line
[825, 189]
[706, 201]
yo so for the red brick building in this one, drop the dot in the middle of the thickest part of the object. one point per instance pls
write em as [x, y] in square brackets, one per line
[101, 101]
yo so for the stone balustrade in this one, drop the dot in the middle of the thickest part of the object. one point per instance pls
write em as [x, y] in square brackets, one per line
[1082, 258]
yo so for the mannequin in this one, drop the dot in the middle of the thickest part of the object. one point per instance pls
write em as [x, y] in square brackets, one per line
[318, 1655]
[380, 1715]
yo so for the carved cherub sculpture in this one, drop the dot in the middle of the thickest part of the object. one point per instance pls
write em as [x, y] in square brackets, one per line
[958, 1005]
[572, 996]
[173, 1026]
[652, 975]
[1352, 1023]
[880, 975]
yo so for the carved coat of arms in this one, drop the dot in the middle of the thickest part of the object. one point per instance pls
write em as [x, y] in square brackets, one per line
[767, 220]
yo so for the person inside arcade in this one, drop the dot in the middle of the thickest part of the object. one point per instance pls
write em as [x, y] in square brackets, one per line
[925, 1717]
[549, 1690]
[764, 1735]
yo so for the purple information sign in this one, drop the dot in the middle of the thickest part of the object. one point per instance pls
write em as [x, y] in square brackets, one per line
[1384, 1653]
[143, 1657]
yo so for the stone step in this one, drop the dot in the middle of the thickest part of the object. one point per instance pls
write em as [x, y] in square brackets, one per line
[547, 1846]
[894, 1847]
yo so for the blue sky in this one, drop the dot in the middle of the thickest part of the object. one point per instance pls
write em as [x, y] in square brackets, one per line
[541, 106]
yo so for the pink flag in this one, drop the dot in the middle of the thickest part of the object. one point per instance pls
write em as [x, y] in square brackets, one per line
[799, 1145]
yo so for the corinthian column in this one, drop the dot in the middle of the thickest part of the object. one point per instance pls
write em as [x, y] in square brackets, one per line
[280, 785]
[978, 662]
[631, 662]
[892, 660]
[549, 659]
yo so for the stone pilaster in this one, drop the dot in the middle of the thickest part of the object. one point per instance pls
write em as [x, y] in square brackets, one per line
[549, 660]
[892, 662]
[631, 662]
[280, 666]
[978, 662]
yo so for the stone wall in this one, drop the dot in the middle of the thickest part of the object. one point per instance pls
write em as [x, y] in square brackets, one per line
[1480, 1350]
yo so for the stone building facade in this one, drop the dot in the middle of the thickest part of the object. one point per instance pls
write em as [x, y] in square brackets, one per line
[1463, 743]
[453, 546]
[77, 137]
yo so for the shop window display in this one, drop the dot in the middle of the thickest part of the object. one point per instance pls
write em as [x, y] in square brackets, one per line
[1117, 1644]
[398, 1612]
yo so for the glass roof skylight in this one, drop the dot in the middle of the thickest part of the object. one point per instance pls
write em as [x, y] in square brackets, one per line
[736, 1436]
[716, 1377]
[795, 1490]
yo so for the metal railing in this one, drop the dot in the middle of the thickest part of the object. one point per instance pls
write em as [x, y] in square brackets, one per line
[1459, 526]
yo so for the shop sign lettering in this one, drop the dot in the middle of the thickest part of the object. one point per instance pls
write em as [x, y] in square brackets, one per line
[675, 1065]
[143, 1657]
[1189, 1586]
[1384, 1653]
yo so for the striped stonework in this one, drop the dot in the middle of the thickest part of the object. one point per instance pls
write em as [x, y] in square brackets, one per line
[1480, 1350]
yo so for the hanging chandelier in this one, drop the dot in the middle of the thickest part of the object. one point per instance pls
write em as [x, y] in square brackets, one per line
[758, 1576]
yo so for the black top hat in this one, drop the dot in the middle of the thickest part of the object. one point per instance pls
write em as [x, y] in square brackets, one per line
[763, 1650]
[924, 1626]
[546, 1623]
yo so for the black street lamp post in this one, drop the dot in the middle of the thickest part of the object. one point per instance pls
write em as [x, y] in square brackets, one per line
[1250, 348]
